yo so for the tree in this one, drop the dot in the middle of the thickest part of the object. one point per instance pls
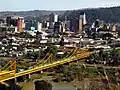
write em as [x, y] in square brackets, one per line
[10, 87]
[3, 87]
[95, 35]
[42, 85]
[101, 55]
[61, 43]
[15, 87]
[115, 56]
[52, 49]
[107, 14]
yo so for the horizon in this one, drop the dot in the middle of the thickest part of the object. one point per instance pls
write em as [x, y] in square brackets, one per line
[58, 10]
[53, 5]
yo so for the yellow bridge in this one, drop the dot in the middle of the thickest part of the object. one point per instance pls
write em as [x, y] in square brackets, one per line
[9, 70]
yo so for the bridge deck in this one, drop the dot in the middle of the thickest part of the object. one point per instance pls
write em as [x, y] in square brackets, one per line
[11, 75]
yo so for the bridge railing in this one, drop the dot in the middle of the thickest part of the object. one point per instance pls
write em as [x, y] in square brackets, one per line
[50, 62]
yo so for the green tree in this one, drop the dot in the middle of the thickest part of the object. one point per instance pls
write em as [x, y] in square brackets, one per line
[52, 49]
[115, 56]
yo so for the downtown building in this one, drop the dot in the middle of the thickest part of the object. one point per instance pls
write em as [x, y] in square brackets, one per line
[16, 22]
[52, 19]
[77, 25]
[33, 25]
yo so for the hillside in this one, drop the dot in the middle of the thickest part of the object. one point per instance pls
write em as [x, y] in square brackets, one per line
[34, 13]
[111, 14]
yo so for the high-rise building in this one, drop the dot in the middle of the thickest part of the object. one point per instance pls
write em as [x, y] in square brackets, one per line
[33, 25]
[23, 25]
[55, 18]
[63, 26]
[57, 27]
[45, 24]
[80, 25]
[48, 24]
[8, 21]
[11, 21]
[67, 24]
[82, 22]
[19, 24]
[39, 28]
[76, 25]
[2, 22]
[51, 17]
[84, 19]
[15, 21]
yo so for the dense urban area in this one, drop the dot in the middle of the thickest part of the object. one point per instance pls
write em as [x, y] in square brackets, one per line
[31, 42]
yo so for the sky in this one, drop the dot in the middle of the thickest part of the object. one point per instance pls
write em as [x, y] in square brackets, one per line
[25, 5]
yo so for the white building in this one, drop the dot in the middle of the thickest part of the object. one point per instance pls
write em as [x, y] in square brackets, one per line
[39, 26]
[55, 18]
[48, 24]
[84, 19]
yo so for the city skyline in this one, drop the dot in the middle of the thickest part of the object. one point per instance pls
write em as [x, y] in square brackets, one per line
[25, 5]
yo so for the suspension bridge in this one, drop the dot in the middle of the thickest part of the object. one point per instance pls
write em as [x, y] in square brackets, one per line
[9, 71]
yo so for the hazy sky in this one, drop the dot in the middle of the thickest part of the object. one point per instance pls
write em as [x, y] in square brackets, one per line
[18, 5]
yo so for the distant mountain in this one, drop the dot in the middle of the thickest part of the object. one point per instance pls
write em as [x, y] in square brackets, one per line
[109, 15]
[34, 13]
